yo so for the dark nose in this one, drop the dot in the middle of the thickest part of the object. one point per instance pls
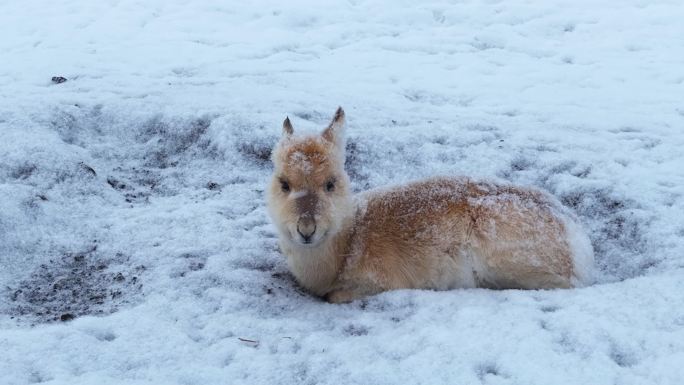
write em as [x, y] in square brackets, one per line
[306, 227]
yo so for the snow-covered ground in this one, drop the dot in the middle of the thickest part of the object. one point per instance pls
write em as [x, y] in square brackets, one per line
[134, 242]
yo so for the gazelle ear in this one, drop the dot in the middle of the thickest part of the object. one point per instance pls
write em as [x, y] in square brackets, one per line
[335, 131]
[287, 127]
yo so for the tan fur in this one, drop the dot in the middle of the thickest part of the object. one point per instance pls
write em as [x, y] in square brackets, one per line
[440, 233]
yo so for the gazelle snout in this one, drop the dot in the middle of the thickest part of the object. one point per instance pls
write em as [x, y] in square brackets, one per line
[306, 227]
[307, 205]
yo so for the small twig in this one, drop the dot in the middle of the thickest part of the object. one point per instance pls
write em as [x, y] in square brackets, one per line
[249, 342]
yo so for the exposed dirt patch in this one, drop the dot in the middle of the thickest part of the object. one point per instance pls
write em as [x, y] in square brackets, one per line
[617, 232]
[76, 284]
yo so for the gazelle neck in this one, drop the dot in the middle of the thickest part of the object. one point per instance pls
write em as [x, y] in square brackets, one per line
[318, 267]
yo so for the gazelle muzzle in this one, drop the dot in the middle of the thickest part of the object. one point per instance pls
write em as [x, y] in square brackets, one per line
[306, 227]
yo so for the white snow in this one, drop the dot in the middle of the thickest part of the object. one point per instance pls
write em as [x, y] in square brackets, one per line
[132, 195]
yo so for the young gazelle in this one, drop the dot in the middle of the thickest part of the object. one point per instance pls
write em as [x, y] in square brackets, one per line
[439, 233]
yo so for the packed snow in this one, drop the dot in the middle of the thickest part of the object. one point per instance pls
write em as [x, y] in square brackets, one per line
[135, 246]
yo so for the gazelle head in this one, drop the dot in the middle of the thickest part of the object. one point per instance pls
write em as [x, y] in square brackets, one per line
[309, 195]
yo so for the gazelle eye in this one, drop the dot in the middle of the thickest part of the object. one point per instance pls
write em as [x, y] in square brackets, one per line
[285, 186]
[330, 186]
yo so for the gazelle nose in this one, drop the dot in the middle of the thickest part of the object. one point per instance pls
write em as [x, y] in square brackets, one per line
[306, 227]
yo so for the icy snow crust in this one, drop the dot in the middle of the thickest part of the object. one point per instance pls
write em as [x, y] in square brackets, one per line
[132, 195]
